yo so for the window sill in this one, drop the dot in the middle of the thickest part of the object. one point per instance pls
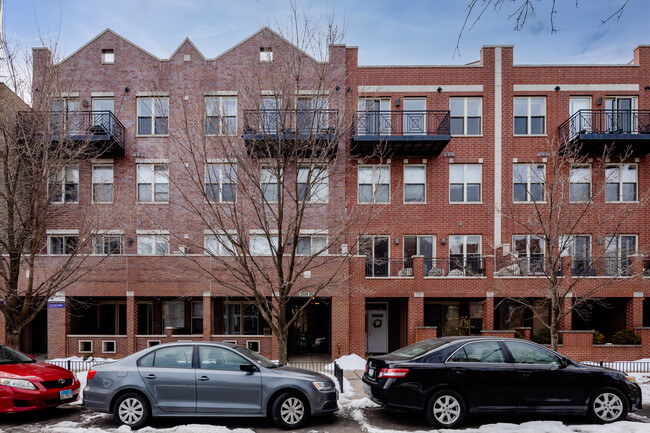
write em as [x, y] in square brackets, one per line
[151, 135]
[61, 203]
[465, 202]
[622, 202]
[152, 202]
[530, 135]
[102, 202]
[374, 202]
[414, 202]
[222, 135]
[467, 135]
[529, 202]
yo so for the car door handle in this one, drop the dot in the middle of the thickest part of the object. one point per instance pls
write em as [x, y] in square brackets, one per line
[150, 376]
[458, 370]
[526, 373]
[203, 378]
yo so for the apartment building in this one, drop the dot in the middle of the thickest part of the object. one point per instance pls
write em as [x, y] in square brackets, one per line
[445, 155]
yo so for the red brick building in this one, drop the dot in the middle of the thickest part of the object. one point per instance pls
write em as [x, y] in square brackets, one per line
[461, 145]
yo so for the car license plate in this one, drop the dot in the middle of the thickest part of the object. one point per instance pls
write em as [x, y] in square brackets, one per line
[65, 394]
[371, 372]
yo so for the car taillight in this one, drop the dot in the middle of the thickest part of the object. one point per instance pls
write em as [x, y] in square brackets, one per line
[366, 368]
[91, 374]
[393, 372]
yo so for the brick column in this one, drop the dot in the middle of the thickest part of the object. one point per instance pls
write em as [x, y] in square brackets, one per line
[3, 329]
[131, 322]
[340, 325]
[634, 313]
[207, 316]
[57, 330]
[357, 306]
[415, 315]
[566, 324]
[488, 311]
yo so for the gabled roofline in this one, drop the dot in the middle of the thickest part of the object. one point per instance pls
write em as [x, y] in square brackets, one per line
[108, 30]
[183, 43]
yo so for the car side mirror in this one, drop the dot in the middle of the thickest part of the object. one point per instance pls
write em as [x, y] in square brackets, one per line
[248, 368]
[31, 356]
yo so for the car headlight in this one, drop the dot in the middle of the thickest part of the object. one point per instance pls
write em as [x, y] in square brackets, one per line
[631, 379]
[17, 383]
[324, 386]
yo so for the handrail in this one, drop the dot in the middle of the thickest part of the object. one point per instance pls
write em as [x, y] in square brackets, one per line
[613, 121]
[401, 122]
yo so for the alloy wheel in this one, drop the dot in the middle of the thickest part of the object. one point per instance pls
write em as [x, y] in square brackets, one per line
[131, 411]
[292, 410]
[446, 409]
[608, 406]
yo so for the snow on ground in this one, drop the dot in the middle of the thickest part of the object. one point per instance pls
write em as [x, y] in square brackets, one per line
[72, 427]
[348, 362]
[643, 379]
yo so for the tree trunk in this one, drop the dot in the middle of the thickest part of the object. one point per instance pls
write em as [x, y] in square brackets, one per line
[554, 321]
[282, 348]
[12, 336]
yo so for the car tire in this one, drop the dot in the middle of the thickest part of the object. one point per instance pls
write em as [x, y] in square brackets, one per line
[132, 409]
[607, 405]
[290, 411]
[446, 409]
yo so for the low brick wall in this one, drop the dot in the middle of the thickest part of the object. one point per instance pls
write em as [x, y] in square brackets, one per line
[97, 346]
[578, 345]
[425, 332]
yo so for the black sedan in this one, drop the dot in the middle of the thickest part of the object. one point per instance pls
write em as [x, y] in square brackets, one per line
[451, 377]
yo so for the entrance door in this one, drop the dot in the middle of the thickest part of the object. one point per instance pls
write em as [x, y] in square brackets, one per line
[619, 115]
[310, 333]
[375, 117]
[377, 331]
[101, 116]
[583, 121]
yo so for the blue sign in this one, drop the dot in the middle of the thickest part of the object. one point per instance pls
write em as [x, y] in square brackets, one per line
[56, 305]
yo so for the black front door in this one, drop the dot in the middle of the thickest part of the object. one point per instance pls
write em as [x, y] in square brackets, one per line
[310, 332]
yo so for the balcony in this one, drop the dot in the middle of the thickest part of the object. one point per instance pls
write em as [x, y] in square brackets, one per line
[605, 267]
[98, 127]
[470, 266]
[534, 265]
[266, 130]
[592, 130]
[402, 132]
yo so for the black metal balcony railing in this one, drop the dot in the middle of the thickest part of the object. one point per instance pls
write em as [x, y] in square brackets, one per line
[401, 123]
[605, 267]
[270, 123]
[468, 266]
[613, 123]
[521, 266]
[380, 267]
[89, 125]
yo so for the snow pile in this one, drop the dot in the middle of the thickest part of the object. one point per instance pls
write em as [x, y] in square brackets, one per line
[72, 427]
[351, 362]
[80, 359]
[643, 379]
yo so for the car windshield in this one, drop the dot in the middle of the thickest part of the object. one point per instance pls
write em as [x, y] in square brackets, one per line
[255, 357]
[12, 356]
[417, 349]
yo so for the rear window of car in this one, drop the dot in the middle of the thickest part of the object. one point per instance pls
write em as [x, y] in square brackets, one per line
[417, 349]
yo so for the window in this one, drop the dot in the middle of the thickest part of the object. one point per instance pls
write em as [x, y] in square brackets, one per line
[218, 358]
[530, 253]
[530, 115]
[108, 244]
[153, 183]
[64, 117]
[374, 117]
[103, 183]
[619, 252]
[221, 115]
[241, 318]
[102, 119]
[375, 248]
[414, 183]
[529, 181]
[374, 184]
[64, 185]
[312, 115]
[171, 357]
[266, 54]
[272, 119]
[524, 353]
[579, 248]
[620, 118]
[197, 317]
[218, 245]
[465, 183]
[621, 182]
[465, 116]
[173, 314]
[108, 56]
[108, 346]
[221, 182]
[153, 245]
[270, 185]
[415, 116]
[484, 351]
[580, 183]
[311, 245]
[153, 116]
[62, 244]
[419, 246]
[465, 255]
[260, 245]
[313, 184]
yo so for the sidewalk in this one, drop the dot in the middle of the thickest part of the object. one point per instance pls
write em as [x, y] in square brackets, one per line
[354, 376]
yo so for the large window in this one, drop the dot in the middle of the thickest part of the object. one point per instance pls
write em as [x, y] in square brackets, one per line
[311, 244]
[375, 248]
[313, 184]
[530, 252]
[621, 182]
[59, 244]
[221, 115]
[529, 181]
[173, 314]
[260, 245]
[153, 116]
[619, 252]
[153, 183]
[465, 183]
[579, 248]
[312, 114]
[220, 182]
[103, 183]
[530, 115]
[241, 318]
[374, 184]
[423, 245]
[580, 183]
[374, 117]
[415, 116]
[465, 255]
[218, 245]
[64, 185]
[465, 116]
[197, 317]
[108, 244]
[153, 244]
[270, 185]
[414, 183]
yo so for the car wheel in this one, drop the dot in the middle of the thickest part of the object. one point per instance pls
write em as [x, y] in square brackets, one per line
[446, 409]
[608, 405]
[133, 410]
[289, 411]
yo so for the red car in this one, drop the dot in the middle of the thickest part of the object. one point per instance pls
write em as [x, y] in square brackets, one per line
[28, 385]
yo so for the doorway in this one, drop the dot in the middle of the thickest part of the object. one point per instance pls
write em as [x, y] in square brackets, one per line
[377, 327]
[311, 332]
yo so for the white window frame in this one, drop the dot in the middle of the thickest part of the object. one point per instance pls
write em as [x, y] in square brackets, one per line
[573, 179]
[529, 182]
[529, 116]
[155, 238]
[112, 182]
[527, 254]
[220, 181]
[266, 54]
[220, 240]
[465, 253]
[465, 116]
[271, 175]
[620, 182]
[465, 184]
[258, 240]
[62, 178]
[424, 184]
[155, 104]
[619, 257]
[82, 342]
[153, 182]
[319, 182]
[163, 317]
[98, 236]
[311, 237]
[104, 350]
[108, 56]
[375, 182]
[417, 245]
[220, 115]
[60, 234]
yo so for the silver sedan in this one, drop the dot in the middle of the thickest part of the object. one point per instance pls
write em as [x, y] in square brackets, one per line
[199, 379]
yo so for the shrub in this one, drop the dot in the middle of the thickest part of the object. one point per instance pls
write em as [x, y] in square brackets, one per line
[626, 336]
[598, 338]
[519, 334]
[544, 337]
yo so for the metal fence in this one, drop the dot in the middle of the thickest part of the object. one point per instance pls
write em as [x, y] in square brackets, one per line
[76, 366]
[626, 366]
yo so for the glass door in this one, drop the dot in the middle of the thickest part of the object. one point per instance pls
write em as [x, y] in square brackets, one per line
[415, 116]
[582, 122]
[102, 107]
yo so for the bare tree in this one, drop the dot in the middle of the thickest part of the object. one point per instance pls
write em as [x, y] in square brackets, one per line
[39, 167]
[552, 234]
